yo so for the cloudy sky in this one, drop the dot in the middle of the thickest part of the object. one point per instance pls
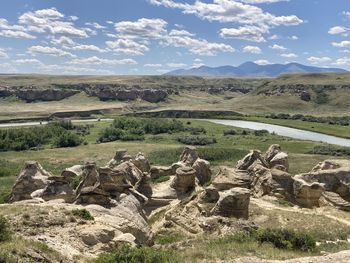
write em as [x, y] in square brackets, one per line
[155, 36]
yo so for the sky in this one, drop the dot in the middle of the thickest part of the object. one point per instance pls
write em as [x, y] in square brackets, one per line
[151, 37]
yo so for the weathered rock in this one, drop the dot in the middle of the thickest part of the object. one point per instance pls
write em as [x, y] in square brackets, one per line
[203, 172]
[305, 96]
[73, 172]
[158, 171]
[34, 94]
[272, 151]
[334, 199]
[189, 155]
[33, 177]
[261, 180]
[142, 163]
[228, 178]
[112, 180]
[93, 195]
[94, 234]
[184, 180]
[58, 188]
[153, 95]
[233, 202]
[118, 157]
[307, 194]
[280, 161]
[209, 195]
[249, 159]
[90, 177]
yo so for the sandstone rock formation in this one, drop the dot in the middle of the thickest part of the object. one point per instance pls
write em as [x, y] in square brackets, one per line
[32, 178]
[203, 172]
[233, 202]
[184, 180]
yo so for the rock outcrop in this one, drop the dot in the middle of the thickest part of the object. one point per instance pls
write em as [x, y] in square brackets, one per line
[32, 178]
[233, 202]
[184, 181]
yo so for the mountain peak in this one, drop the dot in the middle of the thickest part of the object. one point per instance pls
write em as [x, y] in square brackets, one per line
[251, 69]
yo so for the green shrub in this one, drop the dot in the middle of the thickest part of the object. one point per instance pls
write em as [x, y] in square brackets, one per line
[6, 257]
[230, 132]
[5, 233]
[138, 255]
[286, 239]
[331, 150]
[261, 132]
[82, 213]
[131, 129]
[196, 140]
[67, 139]
[167, 237]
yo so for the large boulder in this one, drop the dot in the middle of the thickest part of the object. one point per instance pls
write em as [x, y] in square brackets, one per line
[275, 158]
[158, 171]
[32, 178]
[142, 163]
[58, 188]
[184, 181]
[249, 160]
[73, 172]
[307, 194]
[93, 195]
[233, 202]
[228, 178]
[118, 157]
[189, 155]
[334, 199]
[203, 172]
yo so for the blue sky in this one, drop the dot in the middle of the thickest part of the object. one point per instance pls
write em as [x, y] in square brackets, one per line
[156, 36]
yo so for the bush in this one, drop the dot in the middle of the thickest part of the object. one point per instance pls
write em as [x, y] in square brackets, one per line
[137, 255]
[331, 150]
[82, 213]
[230, 132]
[196, 140]
[67, 139]
[131, 129]
[261, 132]
[161, 179]
[286, 239]
[6, 257]
[5, 233]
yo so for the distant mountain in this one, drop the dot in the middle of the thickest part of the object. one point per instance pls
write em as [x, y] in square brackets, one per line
[251, 69]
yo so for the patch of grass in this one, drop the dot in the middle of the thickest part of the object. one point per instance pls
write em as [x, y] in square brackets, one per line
[83, 214]
[196, 140]
[161, 179]
[5, 232]
[331, 150]
[138, 255]
[166, 237]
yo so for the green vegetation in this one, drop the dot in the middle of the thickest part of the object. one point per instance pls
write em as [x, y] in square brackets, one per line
[58, 134]
[166, 237]
[132, 129]
[83, 214]
[196, 140]
[331, 150]
[137, 255]
[161, 179]
[5, 233]
[344, 120]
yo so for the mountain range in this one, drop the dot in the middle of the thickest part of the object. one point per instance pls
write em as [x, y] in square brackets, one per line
[251, 69]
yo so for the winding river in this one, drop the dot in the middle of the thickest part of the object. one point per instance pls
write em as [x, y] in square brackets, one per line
[286, 131]
[280, 130]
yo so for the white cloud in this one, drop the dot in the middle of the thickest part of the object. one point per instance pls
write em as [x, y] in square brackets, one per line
[16, 34]
[342, 44]
[152, 65]
[317, 60]
[102, 61]
[198, 46]
[294, 38]
[289, 55]
[262, 62]
[180, 33]
[63, 41]
[346, 14]
[345, 61]
[229, 11]
[52, 22]
[142, 28]
[176, 65]
[262, 1]
[87, 48]
[3, 53]
[252, 49]
[249, 33]
[274, 37]
[337, 30]
[127, 46]
[95, 25]
[31, 61]
[52, 51]
[278, 47]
